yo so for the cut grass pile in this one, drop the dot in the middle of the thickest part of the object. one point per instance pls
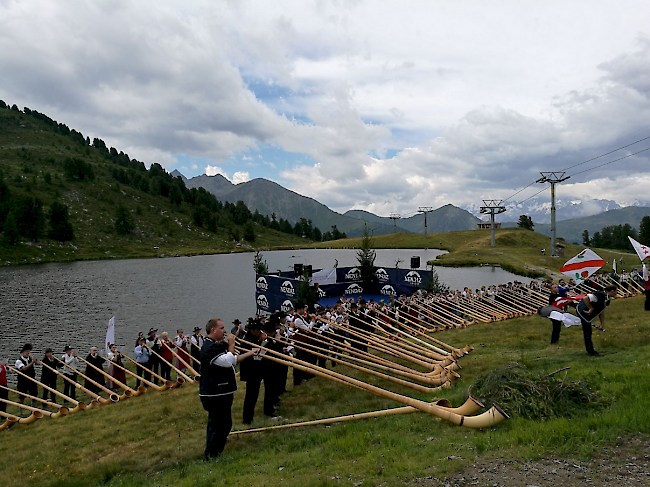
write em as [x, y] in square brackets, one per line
[533, 395]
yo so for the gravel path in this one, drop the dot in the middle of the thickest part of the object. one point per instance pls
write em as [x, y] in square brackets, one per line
[624, 464]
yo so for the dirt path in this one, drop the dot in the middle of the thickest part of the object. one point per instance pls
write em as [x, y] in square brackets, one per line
[624, 464]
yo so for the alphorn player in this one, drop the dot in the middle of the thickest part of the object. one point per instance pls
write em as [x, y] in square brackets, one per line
[4, 393]
[25, 364]
[218, 384]
[70, 359]
[591, 306]
[49, 376]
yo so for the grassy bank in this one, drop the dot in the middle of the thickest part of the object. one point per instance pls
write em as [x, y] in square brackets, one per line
[157, 439]
[516, 250]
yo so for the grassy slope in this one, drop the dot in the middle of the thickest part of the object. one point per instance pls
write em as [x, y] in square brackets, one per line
[29, 149]
[515, 249]
[157, 439]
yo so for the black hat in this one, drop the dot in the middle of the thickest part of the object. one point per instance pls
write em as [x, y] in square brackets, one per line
[253, 324]
[26, 346]
[152, 330]
[236, 322]
[269, 326]
[197, 328]
[48, 350]
[67, 347]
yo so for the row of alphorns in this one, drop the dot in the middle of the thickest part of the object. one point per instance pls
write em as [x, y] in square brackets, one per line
[431, 315]
[96, 399]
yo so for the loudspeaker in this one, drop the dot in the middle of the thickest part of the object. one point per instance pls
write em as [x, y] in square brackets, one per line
[309, 271]
[415, 262]
[297, 270]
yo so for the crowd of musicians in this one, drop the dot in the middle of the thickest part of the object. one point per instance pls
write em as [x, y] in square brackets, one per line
[311, 335]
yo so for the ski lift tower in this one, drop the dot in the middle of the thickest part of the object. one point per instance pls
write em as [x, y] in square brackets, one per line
[493, 207]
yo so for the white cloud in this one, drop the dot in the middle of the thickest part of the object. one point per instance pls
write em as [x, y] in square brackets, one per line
[214, 170]
[240, 177]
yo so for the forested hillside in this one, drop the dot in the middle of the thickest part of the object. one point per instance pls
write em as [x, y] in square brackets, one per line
[64, 196]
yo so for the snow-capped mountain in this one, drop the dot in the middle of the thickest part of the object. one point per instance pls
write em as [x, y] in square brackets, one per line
[567, 208]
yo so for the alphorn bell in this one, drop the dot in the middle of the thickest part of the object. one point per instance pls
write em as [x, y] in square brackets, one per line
[179, 373]
[10, 420]
[489, 418]
[28, 420]
[128, 392]
[97, 399]
[78, 405]
[166, 383]
[62, 409]
[58, 414]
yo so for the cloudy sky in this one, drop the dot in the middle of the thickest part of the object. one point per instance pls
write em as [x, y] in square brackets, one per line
[377, 105]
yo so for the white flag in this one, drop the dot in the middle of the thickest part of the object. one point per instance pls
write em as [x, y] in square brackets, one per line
[646, 277]
[110, 334]
[641, 250]
[614, 266]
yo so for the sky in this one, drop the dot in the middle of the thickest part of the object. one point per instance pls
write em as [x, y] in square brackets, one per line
[378, 105]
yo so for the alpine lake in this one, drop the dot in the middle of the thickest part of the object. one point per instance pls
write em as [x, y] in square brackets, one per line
[59, 304]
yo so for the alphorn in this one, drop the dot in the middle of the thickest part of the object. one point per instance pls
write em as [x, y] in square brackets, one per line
[440, 382]
[166, 383]
[31, 409]
[28, 420]
[188, 366]
[179, 373]
[10, 420]
[34, 398]
[471, 403]
[489, 418]
[128, 392]
[78, 405]
[112, 397]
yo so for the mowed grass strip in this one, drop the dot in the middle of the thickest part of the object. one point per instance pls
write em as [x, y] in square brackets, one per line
[158, 438]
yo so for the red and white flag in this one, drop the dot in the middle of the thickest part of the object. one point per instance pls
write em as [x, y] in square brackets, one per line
[582, 265]
[641, 250]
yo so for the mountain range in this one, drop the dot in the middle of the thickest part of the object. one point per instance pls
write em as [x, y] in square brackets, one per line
[269, 198]
[567, 208]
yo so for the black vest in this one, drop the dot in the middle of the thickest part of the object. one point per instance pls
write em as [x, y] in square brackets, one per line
[215, 380]
[599, 306]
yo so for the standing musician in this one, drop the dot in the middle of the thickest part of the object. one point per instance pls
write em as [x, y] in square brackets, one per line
[252, 372]
[70, 359]
[97, 360]
[142, 356]
[25, 364]
[196, 343]
[591, 306]
[218, 384]
[154, 344]
[49, 377]
[4, 393]
[115, 358]
[181, 346]
[557, 325]
[166, 353]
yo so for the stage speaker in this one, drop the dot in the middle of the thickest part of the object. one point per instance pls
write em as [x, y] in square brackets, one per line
[415, 262]
[309, 271]
[297, 270]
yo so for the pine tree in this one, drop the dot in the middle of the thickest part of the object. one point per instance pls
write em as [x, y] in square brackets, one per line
[124, 221]
[60, 227]
[585, 238]
[644, 230]
[10, 230]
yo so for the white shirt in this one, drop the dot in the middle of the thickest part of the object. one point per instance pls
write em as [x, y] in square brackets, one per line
[227, 359]
[71, 361]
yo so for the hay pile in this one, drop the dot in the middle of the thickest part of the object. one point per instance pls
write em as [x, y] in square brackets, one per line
[521, 392]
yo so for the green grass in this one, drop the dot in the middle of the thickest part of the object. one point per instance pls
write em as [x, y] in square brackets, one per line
[158, 438]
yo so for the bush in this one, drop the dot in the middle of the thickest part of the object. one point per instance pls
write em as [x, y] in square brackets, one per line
[60, 227]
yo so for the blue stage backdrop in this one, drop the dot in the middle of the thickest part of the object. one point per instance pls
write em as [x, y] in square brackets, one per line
[279, 292]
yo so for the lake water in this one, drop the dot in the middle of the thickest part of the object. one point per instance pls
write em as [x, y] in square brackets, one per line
[53, 305]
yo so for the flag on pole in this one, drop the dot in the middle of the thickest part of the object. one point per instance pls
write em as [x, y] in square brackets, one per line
[641, 250]
[110, 333]
[582, 265]
[645, 273]
[614, 266]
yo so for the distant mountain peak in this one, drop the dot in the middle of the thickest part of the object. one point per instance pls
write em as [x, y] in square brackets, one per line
[176, 173]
